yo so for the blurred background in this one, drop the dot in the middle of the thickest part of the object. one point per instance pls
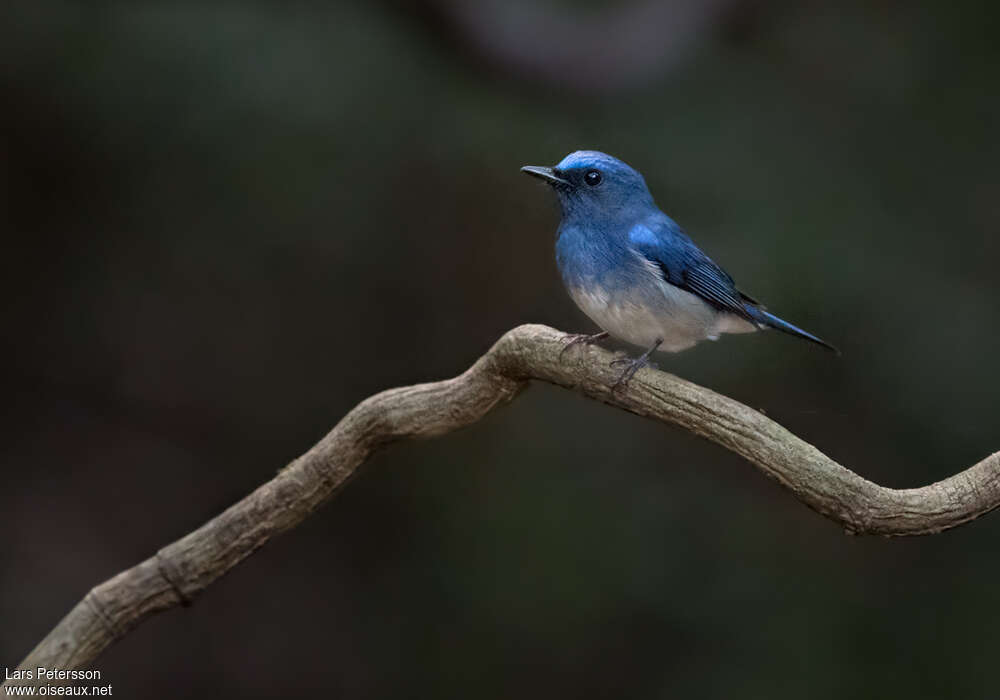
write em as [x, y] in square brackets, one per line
[227, 223]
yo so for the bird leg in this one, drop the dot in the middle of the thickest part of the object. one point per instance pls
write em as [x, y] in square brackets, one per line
[571, 339]
[633, 366]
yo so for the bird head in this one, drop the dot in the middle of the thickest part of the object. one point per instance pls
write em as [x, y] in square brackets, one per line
[594, 184]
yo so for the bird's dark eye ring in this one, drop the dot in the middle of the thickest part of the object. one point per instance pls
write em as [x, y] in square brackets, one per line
[592, 177]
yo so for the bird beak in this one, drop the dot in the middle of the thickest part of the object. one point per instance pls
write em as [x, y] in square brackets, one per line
[545, 173]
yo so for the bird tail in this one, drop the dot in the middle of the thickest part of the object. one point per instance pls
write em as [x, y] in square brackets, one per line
[769, 320]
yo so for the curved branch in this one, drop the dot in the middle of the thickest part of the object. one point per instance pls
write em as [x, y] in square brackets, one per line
[181, 570]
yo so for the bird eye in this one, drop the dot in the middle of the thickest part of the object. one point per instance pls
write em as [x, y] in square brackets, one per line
[592, 177]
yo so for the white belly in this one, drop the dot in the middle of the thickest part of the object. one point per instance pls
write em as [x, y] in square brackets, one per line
[678, 318]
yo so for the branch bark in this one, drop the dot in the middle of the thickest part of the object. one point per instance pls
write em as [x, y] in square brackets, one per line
[178, 572]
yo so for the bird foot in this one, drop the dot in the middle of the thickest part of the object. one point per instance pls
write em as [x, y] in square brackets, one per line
[571, 339]
[633, 365]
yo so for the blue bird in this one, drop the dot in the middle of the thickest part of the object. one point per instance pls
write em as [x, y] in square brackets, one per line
[634, 271]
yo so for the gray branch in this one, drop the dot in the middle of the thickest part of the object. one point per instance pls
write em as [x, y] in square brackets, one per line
[182, 569]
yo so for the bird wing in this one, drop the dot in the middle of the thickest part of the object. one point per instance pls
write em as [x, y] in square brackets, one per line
[684, 265]
[667, 249]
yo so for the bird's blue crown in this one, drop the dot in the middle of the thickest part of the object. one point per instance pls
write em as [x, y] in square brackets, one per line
[594, 182]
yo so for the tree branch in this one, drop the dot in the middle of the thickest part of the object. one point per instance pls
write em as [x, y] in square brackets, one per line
[181, 570]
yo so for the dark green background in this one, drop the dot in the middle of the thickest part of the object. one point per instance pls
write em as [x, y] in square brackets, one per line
[227, 223]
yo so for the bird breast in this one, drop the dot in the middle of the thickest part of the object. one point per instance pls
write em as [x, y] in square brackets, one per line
[627, 296]
[680, 320]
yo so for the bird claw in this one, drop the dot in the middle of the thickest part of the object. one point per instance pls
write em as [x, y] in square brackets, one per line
[571, 339]
[631, 367]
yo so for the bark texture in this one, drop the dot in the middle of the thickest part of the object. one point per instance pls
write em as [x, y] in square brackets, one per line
[178, 572]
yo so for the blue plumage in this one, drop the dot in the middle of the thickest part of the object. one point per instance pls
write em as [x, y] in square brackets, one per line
[634, 271]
